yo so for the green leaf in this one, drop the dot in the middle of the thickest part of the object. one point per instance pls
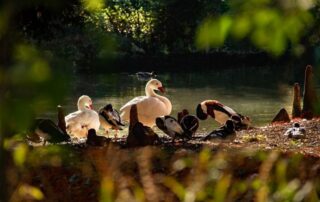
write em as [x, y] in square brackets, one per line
[241, 27]
[106, 190]
[28, 191]
[222, 187]
[175, 187]
[20, 153]
[93, 5]
[214, 32]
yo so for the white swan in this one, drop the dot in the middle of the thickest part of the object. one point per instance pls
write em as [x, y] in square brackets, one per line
[150, 106]
[78, 123]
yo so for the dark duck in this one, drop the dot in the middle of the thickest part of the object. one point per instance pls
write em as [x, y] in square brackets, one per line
[170, 126]
[183, 128]
[110, 118]
[221, 113]
[139, 135]
[189, 123]
[225, 132]
[296, 131]
[94, 140]
[48, 131]
[145, 76]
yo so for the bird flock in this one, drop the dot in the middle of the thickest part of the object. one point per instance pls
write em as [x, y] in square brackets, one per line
[153, 110]
[143, 113]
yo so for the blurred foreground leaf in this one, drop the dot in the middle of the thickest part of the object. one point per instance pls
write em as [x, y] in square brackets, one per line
[176, 187]
[272, 27]
[93, 5]
[20, 153]
[222, 187]
[106, 190]
[30, 192]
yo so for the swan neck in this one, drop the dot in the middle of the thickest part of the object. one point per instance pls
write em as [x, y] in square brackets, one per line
[150, 92]
[81, 105]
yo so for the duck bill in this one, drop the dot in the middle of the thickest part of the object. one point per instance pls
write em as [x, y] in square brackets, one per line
[91, 106]
[161, 89]
[247, 121]
[179, 130]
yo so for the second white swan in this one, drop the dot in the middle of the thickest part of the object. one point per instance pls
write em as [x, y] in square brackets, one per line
[149, 106]
[78, 123]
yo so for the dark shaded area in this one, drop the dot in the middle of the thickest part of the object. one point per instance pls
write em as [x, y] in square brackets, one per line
[199, 62]
[177, 21]
[26, 73]
[84, 38]
[115, 169]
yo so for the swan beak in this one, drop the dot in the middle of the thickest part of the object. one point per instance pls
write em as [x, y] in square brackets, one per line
[161, 89]
[91, 106]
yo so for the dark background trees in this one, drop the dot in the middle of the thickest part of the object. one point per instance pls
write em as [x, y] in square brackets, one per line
[168, 27]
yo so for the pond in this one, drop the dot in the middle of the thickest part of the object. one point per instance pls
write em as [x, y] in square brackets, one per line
[257, 92]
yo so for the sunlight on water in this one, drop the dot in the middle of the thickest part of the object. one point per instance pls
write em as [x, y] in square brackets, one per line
[257, 93]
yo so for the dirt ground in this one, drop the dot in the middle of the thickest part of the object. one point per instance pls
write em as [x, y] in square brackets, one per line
[80, 173]
[271, 137]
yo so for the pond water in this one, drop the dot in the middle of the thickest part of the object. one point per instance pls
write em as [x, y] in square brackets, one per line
[255, 92]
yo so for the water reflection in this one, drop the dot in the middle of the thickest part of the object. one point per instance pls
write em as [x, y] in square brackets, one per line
[256, 92]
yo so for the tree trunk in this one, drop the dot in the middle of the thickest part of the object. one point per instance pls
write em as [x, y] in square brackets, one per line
[282, 116]
[309, 94]
[296, 105]
[61, 120]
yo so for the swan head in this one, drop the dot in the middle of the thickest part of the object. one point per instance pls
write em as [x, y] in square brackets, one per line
[155, 84]
[84, 102]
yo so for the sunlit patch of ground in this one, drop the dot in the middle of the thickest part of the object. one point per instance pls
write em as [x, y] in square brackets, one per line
[270, 137]
[258, 163]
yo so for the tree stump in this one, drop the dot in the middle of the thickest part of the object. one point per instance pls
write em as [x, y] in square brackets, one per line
[282, 116]
[94, 140]
[296, 105]
[61, 120]
[309, 95]
[139, 135]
